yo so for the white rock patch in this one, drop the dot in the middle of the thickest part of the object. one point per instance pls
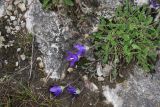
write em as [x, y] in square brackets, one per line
[1, 10]
[112, 96]
[141, 2]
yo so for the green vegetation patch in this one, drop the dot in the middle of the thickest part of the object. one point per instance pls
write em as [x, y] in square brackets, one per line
[130, 36]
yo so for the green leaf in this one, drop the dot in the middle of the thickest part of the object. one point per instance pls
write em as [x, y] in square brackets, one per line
[68, 2]
[132, 26]
[134, 46]
[102, 24]
[106, 51]
[45, 4]
[126, 37]
[149, 20]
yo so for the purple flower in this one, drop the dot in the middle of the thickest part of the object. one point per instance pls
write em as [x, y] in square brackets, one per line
[57, 90]
[81, 49]
[73, 58]
[154, 4]
[72, 90]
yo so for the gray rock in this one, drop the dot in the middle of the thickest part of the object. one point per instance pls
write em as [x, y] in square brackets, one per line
[139, 90]
[17, 28]
[22, 7]
[48, 27]
[100, 79]
[2, 8]
[15, 12]
[8, 29]
[8, 12]
[6, 17]
[107, 69]
[12, 18]
[20, 15]
[16, 2]
[10, 7]
[103, 8]
[23, 57]
[15, 23]
[107, 7]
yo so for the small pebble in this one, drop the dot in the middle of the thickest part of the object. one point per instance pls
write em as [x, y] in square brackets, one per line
[8, 12]
[22, 7]
[85, 78]
[10, 7]
[86, 35]
[15, 23]
[100, 79]
[8, 30]
[39, 59]
[12, 18]
[70, 70]
[17, 2]
[20, 15]
[6, 62]
[6, 27]
[18, 49]
[13, 32]
[23, 57]
[17, 63]
[41, 65]
[8, 20]
[15, 12]
[17, 28]
[5, 17]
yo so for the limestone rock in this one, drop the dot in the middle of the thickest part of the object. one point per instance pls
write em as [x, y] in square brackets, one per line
[2, 8]
[22, 7]
[138, 90]
[51, 32]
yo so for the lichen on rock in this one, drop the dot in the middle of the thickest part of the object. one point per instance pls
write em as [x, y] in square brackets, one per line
[51, 32]
[139, 90]
[2, 8]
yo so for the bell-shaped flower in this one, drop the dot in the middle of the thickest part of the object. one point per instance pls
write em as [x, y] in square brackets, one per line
[81, 49]
[56, 89]
[72, 90]
[73, 58]
[154, 4]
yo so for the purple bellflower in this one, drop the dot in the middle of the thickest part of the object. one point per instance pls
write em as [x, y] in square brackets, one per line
[81, 49]
[73, 58]
[57, 90]
[72, 90]
[154, 4]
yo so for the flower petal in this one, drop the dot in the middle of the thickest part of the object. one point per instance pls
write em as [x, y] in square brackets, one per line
[154, 4]
[57, 90]
[72, 90]
[73, 58]
[81, 49]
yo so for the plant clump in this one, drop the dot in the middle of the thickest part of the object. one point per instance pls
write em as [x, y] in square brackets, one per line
[130, 36]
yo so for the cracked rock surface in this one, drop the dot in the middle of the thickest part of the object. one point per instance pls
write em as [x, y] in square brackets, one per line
[52, 33]
[139, 90]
